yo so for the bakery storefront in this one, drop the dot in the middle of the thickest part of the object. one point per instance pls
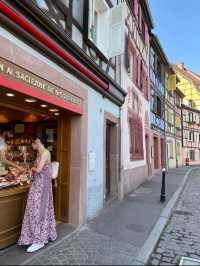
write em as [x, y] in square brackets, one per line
[31, 106]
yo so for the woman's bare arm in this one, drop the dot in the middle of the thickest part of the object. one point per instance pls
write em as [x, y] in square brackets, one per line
[41, 163]
[7, 162]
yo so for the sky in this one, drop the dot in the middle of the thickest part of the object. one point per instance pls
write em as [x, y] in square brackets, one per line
[177, 24]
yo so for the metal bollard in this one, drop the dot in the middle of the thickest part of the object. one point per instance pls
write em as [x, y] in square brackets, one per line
[162, 195]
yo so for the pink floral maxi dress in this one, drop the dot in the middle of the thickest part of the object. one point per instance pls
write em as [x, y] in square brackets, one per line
[39, 225]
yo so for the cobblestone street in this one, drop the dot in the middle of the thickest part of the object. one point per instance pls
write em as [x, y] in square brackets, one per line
[182, 234]
[88, 247]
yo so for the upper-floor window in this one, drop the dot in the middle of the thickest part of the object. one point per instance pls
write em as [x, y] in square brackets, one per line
[190, 117]
[192, 155]
[57, 11]
[159, 70]
[106, 27]
[156, 105]
[191, 136]
[152, 58]
[159, 106]
[143, 30]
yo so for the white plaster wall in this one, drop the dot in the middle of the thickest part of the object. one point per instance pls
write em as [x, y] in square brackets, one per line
[97, 105]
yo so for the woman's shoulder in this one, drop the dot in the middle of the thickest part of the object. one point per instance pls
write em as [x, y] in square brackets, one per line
[47, 152]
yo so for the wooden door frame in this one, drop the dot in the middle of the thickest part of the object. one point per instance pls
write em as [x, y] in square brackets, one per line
[147, 146]
[115, 142]
[156, 152]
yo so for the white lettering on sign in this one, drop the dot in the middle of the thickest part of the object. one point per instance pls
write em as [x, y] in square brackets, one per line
[36, 82]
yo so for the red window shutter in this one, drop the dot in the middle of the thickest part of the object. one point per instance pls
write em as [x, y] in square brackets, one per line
[135, 68]
[147, 88]
[146, 35]
[127, 54]
[136, 138]
[134, 62]
[139, 17]
[142, 77]
[144, 83]
[136, 8]
[138, 71]
[131, 128]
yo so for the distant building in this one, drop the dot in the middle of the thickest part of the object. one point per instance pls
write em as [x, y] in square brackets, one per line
[173, 126]
[178, 100]
[189, 86]
[158, 68]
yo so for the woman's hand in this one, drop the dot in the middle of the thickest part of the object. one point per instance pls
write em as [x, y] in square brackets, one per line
[33, 169]
[30, 173]
[21, 169]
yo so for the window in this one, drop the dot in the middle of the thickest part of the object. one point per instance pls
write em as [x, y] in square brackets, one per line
[159, 71]
[178, 121]
[191, 136]
[141, 76]
[146, 87]
[77, 10]
[152, 59]
[159, 107]
[190, 117]
[192, 155]
[134, 66]
[94, 37]
[106, 27]
[57, 11]
[136, 138]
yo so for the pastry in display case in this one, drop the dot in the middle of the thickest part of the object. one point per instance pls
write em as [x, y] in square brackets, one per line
[14, 177]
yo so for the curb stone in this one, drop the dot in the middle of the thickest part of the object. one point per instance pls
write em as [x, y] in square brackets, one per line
[149, 245]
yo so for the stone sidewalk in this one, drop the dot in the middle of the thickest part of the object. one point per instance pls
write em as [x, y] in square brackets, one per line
[115, 237]
[181, 237]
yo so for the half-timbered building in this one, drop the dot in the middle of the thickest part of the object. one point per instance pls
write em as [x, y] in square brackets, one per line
[190, 114]
[158, 68]
[136, 166]
[60, 61]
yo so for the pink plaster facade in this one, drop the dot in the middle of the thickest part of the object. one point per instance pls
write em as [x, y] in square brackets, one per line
[136, 134]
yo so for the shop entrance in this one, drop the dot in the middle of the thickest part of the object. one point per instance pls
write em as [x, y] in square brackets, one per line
[26, 118]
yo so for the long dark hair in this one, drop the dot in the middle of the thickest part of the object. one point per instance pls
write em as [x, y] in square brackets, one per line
[43, 139]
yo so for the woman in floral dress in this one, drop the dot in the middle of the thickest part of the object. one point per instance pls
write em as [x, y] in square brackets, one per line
[39, 225]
